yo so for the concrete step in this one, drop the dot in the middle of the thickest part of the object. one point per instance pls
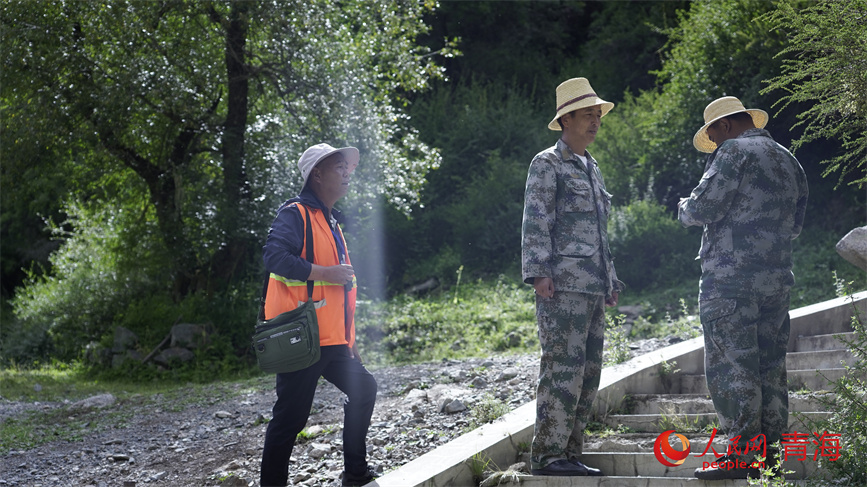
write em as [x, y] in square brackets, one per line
[622, 469]
[693, 384]
[679, 403]
[799, 380]
[822, 342]
[814, 380]
[820, 359]
[528, 481]
[647, 465]
[616, 481]
[701, 403]
[657, 423]
[644, 442]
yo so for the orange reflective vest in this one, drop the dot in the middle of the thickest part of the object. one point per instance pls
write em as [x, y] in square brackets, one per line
[335, 307]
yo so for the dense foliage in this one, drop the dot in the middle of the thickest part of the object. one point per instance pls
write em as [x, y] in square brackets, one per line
[145, 145]
[174, 124]
[827, 68]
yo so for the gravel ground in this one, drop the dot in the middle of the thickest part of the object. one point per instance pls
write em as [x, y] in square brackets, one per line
[162, 441]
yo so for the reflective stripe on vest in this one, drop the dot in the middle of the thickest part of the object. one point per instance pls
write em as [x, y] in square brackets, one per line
[293, 282]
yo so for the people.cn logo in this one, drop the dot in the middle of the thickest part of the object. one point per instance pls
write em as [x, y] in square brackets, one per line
[663, 450]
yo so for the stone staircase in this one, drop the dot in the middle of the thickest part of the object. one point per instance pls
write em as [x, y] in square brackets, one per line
[690, 412]
[660, 391]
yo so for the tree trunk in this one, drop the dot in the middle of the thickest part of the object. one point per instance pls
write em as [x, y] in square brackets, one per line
[234, 213]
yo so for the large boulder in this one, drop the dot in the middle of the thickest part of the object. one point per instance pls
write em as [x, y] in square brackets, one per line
[853, 247]
[188, 335]
[174, 354]
[94, 402]
[123, 340]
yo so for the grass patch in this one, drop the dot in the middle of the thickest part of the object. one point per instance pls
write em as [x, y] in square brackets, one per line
[600, 430]
[672, 419]
[488, 410]
[475, 319]
[55, 387]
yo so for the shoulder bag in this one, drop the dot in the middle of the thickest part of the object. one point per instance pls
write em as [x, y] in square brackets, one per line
[289, 341]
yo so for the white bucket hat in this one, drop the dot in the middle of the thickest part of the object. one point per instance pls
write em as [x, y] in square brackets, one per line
[315, 154]
[573, 94]
[721, 108]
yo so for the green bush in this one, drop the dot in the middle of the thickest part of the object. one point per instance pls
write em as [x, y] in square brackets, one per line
[111, 259]
[650, 247]
[110, 272]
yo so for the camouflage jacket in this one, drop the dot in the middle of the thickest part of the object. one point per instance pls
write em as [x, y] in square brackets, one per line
[751, 201]
[564, 234]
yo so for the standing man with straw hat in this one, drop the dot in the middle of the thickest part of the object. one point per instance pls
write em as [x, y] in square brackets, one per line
[565, 256]
[751, 201]
[325, 171]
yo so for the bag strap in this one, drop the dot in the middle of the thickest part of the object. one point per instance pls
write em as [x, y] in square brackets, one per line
[308, 247]
[308, 244]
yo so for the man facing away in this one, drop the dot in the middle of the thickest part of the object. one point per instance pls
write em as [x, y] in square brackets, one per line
[326, 173]
[751, 201]
[565, 256]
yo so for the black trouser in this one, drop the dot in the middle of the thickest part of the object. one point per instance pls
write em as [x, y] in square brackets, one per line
[295, 392]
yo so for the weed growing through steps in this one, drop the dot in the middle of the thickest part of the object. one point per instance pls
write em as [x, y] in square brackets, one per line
[772, 473]
[508, 476]
[479, 464]
[667, 371]
[671, 419]
[596, 429]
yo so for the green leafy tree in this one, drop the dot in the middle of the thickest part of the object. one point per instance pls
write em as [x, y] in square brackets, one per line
[188, 113]
[717, 49]
[825, 67]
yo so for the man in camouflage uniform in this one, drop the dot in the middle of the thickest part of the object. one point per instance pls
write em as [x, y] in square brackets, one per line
[751, 201]
[565, 257]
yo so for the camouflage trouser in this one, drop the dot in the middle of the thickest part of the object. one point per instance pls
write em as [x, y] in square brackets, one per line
[745, 343]
[571, 333]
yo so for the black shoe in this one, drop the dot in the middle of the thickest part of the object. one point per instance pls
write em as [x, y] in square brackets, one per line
[727, 467]
[358, 480]
[591, 472]
[561, 468]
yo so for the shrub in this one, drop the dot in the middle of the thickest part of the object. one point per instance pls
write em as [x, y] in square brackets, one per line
[650, 247]
[111, 272]
[109, 260]
[616, 342]
[487, 410]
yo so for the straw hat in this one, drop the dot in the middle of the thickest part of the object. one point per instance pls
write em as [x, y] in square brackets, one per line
[573, 94]
[315, 154]
[721, 108]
